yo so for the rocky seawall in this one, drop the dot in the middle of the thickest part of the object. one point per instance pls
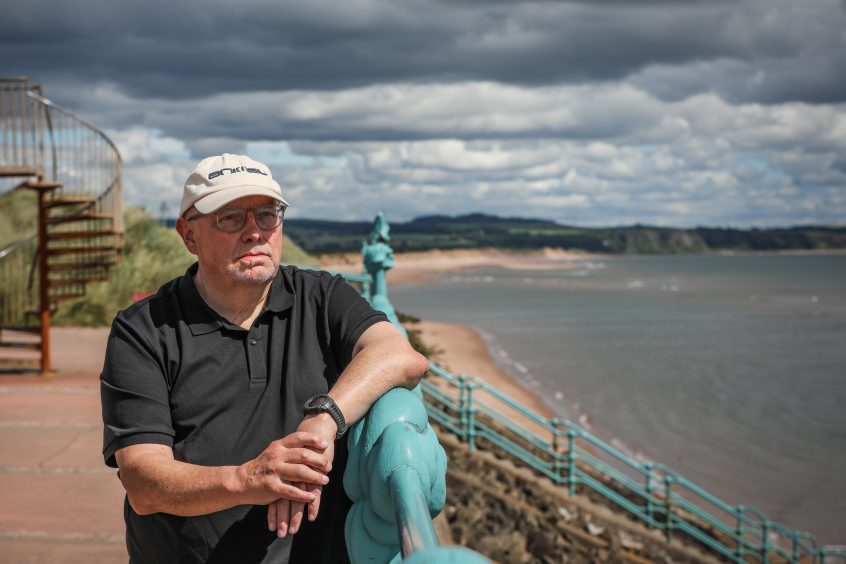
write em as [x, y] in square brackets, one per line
[513, 516]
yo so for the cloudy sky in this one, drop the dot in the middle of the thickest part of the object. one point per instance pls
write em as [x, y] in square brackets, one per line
[594, 112]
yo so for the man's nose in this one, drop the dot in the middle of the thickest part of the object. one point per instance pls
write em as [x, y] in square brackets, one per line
[251, 230]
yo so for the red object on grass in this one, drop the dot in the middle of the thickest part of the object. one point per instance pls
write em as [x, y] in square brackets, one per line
[137, 296]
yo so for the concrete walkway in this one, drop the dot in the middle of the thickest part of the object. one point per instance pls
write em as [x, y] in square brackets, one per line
[58, 501]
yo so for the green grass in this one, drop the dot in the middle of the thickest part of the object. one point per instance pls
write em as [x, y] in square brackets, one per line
[153, 255]
[18, 210]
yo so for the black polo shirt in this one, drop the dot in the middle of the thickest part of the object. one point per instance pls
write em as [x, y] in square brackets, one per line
[176, 373]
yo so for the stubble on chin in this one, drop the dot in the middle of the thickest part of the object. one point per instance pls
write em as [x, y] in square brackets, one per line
[253, 274]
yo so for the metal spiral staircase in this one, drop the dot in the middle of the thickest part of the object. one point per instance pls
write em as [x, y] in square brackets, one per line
[75, 171]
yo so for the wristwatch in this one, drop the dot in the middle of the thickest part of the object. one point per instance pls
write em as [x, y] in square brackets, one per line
[324, 404]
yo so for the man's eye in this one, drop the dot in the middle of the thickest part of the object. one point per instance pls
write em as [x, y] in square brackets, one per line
[230, 216]
[266, 214]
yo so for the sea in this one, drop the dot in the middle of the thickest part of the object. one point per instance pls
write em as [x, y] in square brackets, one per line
[729, 369]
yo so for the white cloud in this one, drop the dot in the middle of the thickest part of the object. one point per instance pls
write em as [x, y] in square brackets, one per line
[603, 154]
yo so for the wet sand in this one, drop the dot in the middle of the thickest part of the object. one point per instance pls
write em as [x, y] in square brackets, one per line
[461, 350]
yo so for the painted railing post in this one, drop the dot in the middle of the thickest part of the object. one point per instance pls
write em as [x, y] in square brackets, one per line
[555, 444]
[378, 258]
[470, 409]
[765, 541]
[668, 507]
[739, 551]
[571, 461]
[462, 407]
[648, 467]
[396, 471]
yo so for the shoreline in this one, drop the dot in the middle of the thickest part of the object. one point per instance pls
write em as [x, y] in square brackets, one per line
[462, 350]
[421, 267]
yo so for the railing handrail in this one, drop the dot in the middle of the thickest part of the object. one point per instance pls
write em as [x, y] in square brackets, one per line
[665, 478]
[14, 246]
[82, 121]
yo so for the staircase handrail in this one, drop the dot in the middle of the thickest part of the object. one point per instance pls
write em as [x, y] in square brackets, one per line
[15, 246]
[15, 282]
[106, 191]
[82, 121]
[76, 170]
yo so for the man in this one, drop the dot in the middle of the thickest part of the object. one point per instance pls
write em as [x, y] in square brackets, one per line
[225, 392]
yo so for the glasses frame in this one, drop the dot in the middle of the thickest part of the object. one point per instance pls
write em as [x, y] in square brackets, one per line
[280, 217]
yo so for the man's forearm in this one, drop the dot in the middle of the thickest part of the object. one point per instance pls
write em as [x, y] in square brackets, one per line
[384, 361]
[156, 484]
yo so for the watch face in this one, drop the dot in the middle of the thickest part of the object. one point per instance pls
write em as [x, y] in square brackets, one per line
[317, 402]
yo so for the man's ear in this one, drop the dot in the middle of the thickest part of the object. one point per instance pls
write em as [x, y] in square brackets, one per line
[186, 231]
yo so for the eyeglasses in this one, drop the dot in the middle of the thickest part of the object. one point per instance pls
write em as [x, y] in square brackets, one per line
[233, 219]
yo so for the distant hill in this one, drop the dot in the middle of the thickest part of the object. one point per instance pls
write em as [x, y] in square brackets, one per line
[480, 230]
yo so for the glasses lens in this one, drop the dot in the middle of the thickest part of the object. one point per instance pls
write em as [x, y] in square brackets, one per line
[269, 216]
[231, 219]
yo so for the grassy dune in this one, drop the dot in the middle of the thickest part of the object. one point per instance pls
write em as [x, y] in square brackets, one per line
[152, 255]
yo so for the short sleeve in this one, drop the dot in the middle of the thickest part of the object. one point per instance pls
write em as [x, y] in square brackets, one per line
[133, 392]
[349, 316]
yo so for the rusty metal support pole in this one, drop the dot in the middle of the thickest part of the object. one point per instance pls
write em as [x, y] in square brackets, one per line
[43, 288]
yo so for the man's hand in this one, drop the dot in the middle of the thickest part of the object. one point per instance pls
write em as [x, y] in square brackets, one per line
[382, 359]
[293, 459]
[157, 483]
[286, 515]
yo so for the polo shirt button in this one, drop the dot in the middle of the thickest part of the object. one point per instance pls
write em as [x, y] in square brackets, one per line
[253, 341]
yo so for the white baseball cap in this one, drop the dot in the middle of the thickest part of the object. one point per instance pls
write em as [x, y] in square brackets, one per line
[218, 180]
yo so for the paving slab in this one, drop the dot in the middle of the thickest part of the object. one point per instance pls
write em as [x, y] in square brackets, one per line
[40, 550]
[34, 404]
[60, 503]
[59, 446]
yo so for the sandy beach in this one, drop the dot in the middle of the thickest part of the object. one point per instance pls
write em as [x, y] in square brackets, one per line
[419, 267]
[461, 349]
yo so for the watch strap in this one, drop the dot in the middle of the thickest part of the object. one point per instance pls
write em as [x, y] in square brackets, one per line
[327, 405]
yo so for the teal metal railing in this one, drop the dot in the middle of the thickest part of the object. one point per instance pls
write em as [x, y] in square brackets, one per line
[396, 472]
[395, 475]
[575, 459]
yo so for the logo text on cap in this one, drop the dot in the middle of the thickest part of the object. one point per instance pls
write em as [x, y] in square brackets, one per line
[216, 173]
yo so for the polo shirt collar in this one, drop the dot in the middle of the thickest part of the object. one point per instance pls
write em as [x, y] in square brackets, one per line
[281, 297]
[202, 319]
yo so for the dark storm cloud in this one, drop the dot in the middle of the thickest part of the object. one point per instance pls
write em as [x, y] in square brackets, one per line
[755, 50]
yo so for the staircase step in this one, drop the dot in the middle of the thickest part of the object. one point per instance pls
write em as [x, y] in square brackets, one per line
[77, 281]
[68, 296]
[65, 266]
[19, 171]
[22, 328]
[79, 250]
[36, 312]
[38, 185]
[13, 362]
[67, 291]
[33, 345]
[69, 201]
[59, 219]
[79, 235]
